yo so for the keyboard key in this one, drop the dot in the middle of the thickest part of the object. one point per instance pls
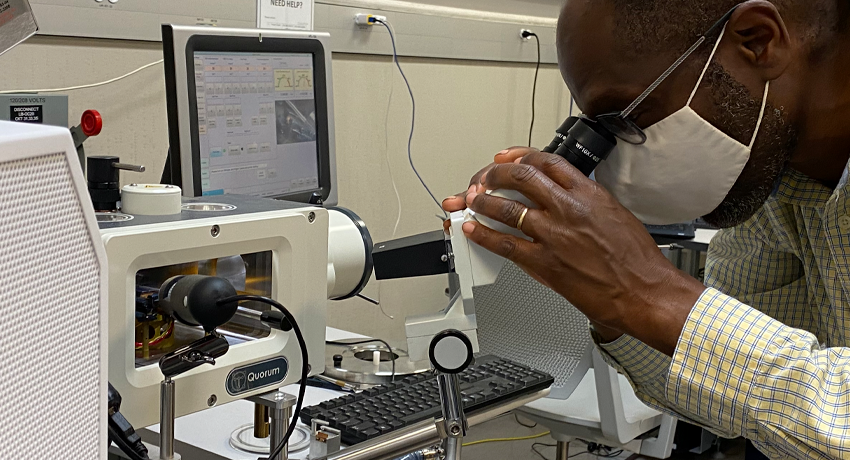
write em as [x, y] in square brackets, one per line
[351, 423]
[384, 428]
[362, 426]
[430, 413]
[338, 419]
[371, 433]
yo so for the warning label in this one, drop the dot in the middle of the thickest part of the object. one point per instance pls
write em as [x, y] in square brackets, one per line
[27, 114]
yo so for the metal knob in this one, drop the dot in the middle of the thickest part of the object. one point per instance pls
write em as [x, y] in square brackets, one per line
[451, 351]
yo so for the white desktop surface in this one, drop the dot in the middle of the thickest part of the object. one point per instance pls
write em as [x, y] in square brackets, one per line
[704, 236]
[211, 429]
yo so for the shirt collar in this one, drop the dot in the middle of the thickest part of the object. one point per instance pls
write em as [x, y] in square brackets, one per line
[795, 188]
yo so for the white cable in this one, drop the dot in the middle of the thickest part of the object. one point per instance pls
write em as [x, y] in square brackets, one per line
[387, 150]
[92, 85]
[412, 117]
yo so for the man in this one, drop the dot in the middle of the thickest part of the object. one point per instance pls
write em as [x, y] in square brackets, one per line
[763, 351]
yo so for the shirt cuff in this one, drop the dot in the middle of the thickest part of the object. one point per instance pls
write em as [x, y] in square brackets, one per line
[716, 360]
[645, 367]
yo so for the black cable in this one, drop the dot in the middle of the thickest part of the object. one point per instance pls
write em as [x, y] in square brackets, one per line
[389, 348]
[610, 454]
[534, 448]
[305, 367]
[413, 117]
[124, 445]
[516, 418]
[534, 89]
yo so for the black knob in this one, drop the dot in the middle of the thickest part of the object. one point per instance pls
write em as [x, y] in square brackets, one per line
[337, 361]
[451, 351]
[103, 184]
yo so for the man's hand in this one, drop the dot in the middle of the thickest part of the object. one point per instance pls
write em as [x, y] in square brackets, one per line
[587, 247]
[458, 202]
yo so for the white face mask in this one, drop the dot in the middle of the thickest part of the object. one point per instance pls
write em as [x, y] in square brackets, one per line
[683, 171]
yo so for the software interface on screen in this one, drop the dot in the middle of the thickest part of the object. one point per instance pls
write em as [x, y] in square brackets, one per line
[257, 123]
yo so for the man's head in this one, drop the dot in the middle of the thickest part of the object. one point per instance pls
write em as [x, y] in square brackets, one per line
[611, 50]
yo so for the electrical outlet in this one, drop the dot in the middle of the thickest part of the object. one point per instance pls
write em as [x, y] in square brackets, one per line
[526, 34]
[363, 19]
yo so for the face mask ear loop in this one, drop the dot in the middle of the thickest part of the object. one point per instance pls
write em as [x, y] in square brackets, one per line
[761, 114]
[704, 70]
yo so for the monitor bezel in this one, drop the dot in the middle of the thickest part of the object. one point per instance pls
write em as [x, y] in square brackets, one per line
[218, 42]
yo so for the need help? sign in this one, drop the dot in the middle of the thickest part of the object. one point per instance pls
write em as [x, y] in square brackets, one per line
[285, 14]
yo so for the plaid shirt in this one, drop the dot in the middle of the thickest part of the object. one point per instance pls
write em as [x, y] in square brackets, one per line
[765, 352]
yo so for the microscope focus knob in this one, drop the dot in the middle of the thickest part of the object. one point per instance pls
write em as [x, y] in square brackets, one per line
[451, 351]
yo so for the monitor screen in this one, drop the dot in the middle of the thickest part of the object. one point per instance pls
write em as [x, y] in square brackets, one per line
[257, 127]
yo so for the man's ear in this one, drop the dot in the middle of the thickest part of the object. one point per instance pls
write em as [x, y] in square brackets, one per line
[761, 39]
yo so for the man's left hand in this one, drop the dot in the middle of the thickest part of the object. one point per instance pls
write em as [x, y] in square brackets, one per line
[586, 247]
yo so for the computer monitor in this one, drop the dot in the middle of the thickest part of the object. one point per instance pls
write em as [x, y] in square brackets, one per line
[250, 113]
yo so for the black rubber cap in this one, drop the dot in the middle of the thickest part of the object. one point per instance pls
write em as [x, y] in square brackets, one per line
[560, 135]
[203, 302]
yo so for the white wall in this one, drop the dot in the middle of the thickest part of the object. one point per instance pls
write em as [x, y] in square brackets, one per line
[467, 111]
[542, 8]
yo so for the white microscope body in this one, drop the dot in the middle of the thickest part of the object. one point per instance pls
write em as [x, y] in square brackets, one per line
[475, 267]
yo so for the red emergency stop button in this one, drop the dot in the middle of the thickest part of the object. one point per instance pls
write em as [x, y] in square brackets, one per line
[91, 123]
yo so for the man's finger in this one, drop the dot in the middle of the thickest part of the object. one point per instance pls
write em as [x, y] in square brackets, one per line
[518, 250]
[512, 154]
[509, 212]
[555, 167]
[455, 203]
[528, 180]
[458, 202]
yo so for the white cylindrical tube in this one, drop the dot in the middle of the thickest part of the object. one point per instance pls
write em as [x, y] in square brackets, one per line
[151, 199]
[349, 254]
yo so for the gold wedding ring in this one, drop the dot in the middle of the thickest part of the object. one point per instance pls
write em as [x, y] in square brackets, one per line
[521, 219]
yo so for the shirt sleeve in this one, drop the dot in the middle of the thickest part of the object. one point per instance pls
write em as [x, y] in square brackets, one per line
[746, 374]
[749, 262]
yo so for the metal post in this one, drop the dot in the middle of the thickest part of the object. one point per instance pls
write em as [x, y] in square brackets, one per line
[261, 421]
[454, 418]
[562, 450]
[280, 419]
[166, 419]
[280, 408]
[453, 448]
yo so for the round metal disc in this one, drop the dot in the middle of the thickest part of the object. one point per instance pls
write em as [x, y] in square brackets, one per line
[358, 363]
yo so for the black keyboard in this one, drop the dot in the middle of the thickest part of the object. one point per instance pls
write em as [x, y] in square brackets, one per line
[678, 231]
[380, 410]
